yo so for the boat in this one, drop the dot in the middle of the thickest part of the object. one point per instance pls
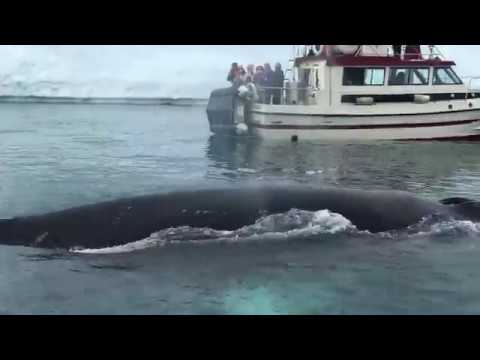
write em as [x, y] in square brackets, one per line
[355, 92]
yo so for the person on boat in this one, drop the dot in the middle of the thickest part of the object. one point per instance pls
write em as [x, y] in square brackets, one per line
[259, 81]
[240, 77]
[400, 79]
[233, 72]
[242, 74]
[259, 76]
[268, 83]
[252, 89]
[413, 52]
[278, 82]
[251, 71]
[268, 73]
[397, 50]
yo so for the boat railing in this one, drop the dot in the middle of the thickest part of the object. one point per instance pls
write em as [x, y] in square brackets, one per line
[417, 56]
[433, 53]
[284, 95]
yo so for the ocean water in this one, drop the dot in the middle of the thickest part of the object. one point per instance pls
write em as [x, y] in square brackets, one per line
[55, 156]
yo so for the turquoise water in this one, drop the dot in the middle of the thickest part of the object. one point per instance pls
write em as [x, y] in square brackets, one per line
[55, 156]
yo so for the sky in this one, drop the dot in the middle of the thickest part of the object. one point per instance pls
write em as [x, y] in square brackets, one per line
[147, 71]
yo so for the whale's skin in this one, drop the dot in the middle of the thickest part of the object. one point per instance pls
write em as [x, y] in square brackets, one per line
[127, 220]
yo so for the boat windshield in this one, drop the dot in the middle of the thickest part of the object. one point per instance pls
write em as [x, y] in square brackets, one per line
[445, 76]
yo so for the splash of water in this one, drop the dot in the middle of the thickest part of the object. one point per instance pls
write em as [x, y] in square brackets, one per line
[293, 224]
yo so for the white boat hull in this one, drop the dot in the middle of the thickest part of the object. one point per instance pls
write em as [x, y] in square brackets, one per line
[447, 125]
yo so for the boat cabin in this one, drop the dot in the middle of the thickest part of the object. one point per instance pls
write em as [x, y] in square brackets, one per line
[370, 74]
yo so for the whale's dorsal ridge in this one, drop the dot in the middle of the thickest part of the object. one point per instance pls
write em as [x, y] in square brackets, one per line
[456, 201]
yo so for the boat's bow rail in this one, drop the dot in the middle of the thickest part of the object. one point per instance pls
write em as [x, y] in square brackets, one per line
[291, 95]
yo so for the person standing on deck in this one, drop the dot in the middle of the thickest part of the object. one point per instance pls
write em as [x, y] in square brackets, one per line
[251, 71]
[268, 83]
[413, 52]
[233, 73]
[397, 50]
[252, 89]
[242, 74]
[259, 81]
[259, 76]
[278, 82]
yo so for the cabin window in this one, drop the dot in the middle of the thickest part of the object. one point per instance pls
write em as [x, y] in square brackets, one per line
[363, 77]
[414, 76]
[398, 76]
[452, 72]
[445, 76]
[419, 76]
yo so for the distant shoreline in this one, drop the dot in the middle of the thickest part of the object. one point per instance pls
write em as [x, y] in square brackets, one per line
[104, 101]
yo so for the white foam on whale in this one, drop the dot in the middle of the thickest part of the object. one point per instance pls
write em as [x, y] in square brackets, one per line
[450, 227]
[293, 224]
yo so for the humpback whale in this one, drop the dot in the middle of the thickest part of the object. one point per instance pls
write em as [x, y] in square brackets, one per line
[127, 220]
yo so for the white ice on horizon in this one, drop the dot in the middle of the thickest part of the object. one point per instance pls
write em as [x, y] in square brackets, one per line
[166, 71]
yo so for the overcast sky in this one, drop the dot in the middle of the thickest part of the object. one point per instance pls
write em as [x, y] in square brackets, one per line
[150, 71]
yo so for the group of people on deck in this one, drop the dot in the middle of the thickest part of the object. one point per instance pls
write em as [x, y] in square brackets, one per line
[265, 83]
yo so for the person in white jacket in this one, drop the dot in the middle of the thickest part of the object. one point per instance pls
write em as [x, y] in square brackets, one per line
[252, 89]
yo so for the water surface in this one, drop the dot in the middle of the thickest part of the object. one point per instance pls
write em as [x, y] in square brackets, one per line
[60, 155]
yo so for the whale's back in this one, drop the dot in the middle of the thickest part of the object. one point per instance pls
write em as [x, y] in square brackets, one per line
[127, 220]
[375, 211]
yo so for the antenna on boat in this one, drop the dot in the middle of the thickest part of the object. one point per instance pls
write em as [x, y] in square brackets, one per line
[291, 63]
